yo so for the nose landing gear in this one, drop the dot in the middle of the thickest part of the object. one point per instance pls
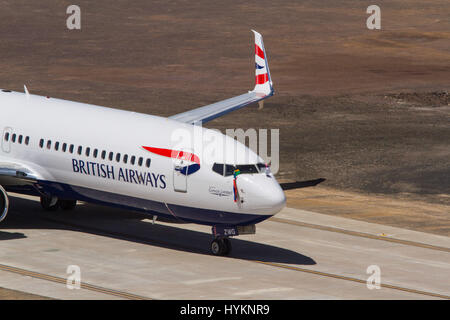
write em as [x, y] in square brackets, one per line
[221, 246]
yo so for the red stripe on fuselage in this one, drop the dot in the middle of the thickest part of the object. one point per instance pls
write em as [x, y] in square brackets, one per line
[259, 52]
[175, 154]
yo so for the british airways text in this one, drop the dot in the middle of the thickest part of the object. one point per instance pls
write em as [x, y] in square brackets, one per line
[107, 171]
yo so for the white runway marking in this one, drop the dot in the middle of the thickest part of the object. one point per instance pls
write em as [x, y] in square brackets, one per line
[262, 291]
[199, 281]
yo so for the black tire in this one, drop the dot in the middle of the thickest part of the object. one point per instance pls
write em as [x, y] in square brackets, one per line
[46, 203]
[227, 246]
[67, 204]
[221, 247]
[217, 247]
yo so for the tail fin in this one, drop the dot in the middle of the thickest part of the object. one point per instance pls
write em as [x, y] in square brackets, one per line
[263, 81]
[263, 90]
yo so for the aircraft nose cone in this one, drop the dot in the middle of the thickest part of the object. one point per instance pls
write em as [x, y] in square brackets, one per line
[276, 197]
[262, 194]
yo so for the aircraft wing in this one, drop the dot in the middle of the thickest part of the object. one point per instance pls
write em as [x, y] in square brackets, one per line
[263, 89]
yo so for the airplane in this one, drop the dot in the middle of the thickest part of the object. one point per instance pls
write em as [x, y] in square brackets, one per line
[65, 152]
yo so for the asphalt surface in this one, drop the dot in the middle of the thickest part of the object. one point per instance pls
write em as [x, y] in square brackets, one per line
[295, 255]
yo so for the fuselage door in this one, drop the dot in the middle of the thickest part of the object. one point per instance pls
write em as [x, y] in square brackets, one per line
[6, 140]
[179, 173]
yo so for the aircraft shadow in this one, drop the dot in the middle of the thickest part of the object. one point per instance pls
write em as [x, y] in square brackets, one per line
[11, 235]
[129, 226]
[301, 184]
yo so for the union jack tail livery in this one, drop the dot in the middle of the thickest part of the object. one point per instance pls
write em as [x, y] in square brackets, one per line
[263, 81]
[262, 90]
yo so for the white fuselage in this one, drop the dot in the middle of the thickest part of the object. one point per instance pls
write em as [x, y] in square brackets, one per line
[155, 184]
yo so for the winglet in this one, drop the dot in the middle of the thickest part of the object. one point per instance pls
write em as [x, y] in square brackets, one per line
[263, 80]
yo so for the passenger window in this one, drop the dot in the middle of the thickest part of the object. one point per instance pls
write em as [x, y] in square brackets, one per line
[7, 136]
[20, 139]
[95, 154]
[80, 150]
[64, 147]
[103, 154]
[13, 138]
[27, 140]
[41, 143]
[118, 157]
[49, 144]
[141, 160]
[111, 156]
[56, 146]
[133, 160]
[88, 151]
[147, 163]
[125, 158]
[71, 148]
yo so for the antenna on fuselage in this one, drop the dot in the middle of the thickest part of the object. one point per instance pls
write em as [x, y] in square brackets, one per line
[26, 91]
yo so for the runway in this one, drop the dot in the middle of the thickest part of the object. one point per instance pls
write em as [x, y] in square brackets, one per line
[295, 255]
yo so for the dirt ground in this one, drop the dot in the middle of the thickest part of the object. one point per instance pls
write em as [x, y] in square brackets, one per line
[367, 110]
[381, 209]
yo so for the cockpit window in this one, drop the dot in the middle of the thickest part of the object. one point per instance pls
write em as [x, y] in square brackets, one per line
[247, 168]
[228, 170]
[262, 167]
[218, 168]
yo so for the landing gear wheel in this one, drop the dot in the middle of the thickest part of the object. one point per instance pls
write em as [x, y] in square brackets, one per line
[67, 204]
[49, 203]
[221, 247]
[216, 247]
[227, 246]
